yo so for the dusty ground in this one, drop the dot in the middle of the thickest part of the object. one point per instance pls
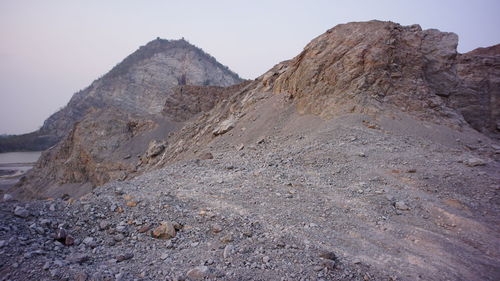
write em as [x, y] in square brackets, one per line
[392, 198]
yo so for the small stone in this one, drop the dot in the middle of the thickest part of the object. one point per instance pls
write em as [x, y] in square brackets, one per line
[473, 162]
[164, 256]
[131, 203]
[52, 207]
[155, 148]
[60, 235]
[46, 222]
[69, 241]
[21, 212]
[46, 266]
[227, 238]
[103, 225]
[317, 268]
[224, 126]
[177, 225]
[7, 197]
[228, 250]
[119, 237]
[80, 276]
[216, 228]
[166, 230]
[90, 242]
[122, 228]
[124, 257]
[144, 229]
[328, 255]
[266, 259]
[199, 273]
[330, 264]
[206, 156]
[401, 205]
[77, 258]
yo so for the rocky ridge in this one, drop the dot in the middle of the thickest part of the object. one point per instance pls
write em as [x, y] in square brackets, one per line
[140, 84]
[357, 160]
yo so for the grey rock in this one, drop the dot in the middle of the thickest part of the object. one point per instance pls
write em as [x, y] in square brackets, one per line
[119, 237]
[21, 212]
[46, 266]
[155, 148]
[228, 251]
[7, 197]
[199, 273]
[124, 257]
[103, 225]
[224, 126]
[90, 242]
[77, 258]
[473, 162]
[401, 205]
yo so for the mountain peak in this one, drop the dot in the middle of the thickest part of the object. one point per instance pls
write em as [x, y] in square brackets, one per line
[157, 46]
[141, 83]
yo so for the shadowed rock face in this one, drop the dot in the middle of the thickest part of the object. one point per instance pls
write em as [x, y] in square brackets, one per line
[478, 96]
[91, 154]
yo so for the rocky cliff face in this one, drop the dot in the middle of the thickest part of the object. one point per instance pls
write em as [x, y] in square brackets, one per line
[375, 68]
[142, 82]
[363, 66]
[477, 96]
[156, 85]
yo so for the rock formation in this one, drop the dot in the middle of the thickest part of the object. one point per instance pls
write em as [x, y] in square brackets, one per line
[376, 68]
[140, 100]
[140, 84]
[477, 97]
[372, 155]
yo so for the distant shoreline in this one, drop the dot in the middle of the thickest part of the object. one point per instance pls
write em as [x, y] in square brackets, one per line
[14, 165]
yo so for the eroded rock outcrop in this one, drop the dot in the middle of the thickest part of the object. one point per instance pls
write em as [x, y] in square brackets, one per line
[97, 150]
[478, 96]
[140, 84]
[375, 68]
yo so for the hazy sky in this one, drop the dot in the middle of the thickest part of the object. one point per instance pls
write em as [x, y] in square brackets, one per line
[51, 49]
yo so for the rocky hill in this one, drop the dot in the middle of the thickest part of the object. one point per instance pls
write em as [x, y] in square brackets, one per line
[140, 84]
[372, 155]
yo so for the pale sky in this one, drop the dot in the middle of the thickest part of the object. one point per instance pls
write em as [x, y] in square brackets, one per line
[50, 49]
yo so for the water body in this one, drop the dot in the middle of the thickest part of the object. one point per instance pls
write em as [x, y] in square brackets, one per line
[14, 164]
[19, 157]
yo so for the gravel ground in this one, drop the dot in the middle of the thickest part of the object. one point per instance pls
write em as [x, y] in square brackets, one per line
[336, 202]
